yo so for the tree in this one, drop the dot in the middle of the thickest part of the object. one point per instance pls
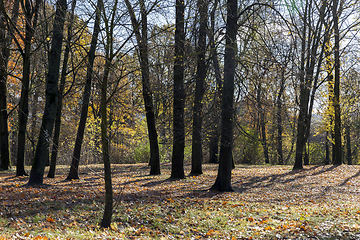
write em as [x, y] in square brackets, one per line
[51, 97]
[74, 169]
[197, 156]
[313, 39]
[55, 145]
[31, 12]
[142, 43]
[177, 167]
[337, 118]
[5, 40]
[109, 55]
[223, 180]
[215, 109]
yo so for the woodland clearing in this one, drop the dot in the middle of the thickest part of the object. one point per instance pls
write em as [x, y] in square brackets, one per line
[268, 202]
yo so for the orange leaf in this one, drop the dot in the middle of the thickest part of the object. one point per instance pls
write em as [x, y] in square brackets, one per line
[49, 219]
[269, 228]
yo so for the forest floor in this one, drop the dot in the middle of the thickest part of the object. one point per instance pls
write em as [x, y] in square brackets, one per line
[269, 202]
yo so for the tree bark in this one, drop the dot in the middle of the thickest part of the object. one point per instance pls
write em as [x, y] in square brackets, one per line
[337, 118]
[145, 77]
[177, 166]
[279, 144]
[300, 141]
[55, 145]
[31, 15]
[223, 180]
[262, 124]
[74, 169]
[327, 149]
[348, 145]
[309, 76]
[106, 220]
[197, 154]
[5, 40]
[4, 57]
[51, 97]
[215, 123]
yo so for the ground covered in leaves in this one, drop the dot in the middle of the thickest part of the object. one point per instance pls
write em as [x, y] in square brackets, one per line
[269, 202]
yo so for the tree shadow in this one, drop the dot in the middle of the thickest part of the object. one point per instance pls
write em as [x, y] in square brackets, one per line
[325, 170]
[274, 178]
[349, 178]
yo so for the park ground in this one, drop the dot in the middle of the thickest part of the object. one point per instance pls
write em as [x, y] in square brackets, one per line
[268, 202]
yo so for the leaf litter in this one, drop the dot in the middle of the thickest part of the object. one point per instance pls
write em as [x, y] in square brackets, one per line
[268, 202]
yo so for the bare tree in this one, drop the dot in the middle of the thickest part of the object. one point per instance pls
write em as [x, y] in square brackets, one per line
[74, 169]
[51, 97]
[177, 167]
[142, 43]
[6, 24]
[223, 180]
[197, 155]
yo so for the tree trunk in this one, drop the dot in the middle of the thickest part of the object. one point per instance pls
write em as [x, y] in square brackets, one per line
[74, 169]
[348, 145]
[106, 220]
[215, 123]
[263, 136]
[31, 15]
[300, 141]
[309, 77]
[4, 57]
[306, 154]
[55, 146]
[262, 126]
[337, 128]
[197, 154]
[5, 40]
[223, 180]
[214, 147]
[327, 150]
[147, 93]
[279, 145]
[51, 97]
[177, 166]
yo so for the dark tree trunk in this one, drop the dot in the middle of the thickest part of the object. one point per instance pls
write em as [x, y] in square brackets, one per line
[5, 40]
[214, 147]
[55, 146]
[197, 154]
[51, 97]
[177, 166]
[327, 150]
[279, 145]
[337, 128]
[223, 180]
[33, 125]
[306, 154]
[4, 57]
[147, 93]
[31, 15]
[215, 123]
[106, 220]
[309, 77]
[304, 91]
[263, 136]
[348, 145]
[261, 112]
[74, 168]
